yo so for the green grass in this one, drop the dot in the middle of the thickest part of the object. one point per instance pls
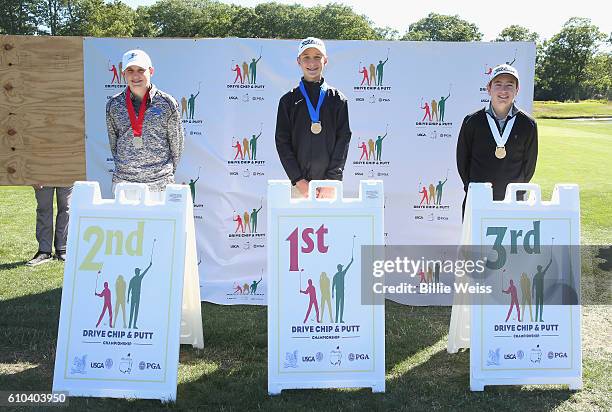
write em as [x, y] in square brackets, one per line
[230, 372]
[566, 110]
[579, 152]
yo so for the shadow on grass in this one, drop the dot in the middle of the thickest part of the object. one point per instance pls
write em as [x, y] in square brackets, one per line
[605, 253]
[443, 383]
[230, 373]
[12, 265]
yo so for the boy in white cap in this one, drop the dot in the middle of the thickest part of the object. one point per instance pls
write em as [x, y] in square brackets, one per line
[499, 143]
[144, 127]
[312, 125]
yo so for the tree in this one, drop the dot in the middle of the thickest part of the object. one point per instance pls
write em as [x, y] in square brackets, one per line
[51, 16]
[516, 32]
[597, 82]
[143, 23]
[332, 21]
[565, 59]
[387, 33]
[440, 27]
[337, 21]
[175, 18]
[86, 18]
[206, 18]
[19, 16]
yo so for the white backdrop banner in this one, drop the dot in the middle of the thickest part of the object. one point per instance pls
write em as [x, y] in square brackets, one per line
[406, 104]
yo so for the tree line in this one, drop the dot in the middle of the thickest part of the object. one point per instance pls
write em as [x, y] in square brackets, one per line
[575, 64]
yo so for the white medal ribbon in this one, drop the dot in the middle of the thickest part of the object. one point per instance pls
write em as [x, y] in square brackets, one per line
[500, 140]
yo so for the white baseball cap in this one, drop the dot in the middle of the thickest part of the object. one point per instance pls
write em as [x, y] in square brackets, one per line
[312, 42]
[136, 58]
[503, 69]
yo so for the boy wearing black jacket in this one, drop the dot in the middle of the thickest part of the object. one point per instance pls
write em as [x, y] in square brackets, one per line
[499, 143]
[312, 125]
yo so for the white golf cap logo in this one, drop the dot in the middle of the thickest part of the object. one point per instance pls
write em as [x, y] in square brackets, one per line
[312, 42]
[136, 58]
[504, 69]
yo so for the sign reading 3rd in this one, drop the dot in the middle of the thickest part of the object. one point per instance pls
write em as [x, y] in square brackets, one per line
[115, 242]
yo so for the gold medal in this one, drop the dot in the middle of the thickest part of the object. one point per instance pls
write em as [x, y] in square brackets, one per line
[316, 127]
[500, 152]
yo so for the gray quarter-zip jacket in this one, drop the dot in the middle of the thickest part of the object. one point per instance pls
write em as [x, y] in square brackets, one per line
[162, 136]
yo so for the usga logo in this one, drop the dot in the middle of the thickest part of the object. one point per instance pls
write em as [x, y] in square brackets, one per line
[308, 358]
[96, 365]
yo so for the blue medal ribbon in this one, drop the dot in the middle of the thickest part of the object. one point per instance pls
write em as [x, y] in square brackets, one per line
[314, 113]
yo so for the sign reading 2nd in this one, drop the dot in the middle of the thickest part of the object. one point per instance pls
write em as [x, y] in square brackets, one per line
[307, 237]
[114, 242]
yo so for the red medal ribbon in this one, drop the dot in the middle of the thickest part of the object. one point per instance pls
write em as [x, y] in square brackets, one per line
[136, 121]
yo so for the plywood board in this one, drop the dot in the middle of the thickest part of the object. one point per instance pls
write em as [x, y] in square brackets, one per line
[42, 130]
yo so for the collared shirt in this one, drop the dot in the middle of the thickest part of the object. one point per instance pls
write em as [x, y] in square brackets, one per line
[476, 160]
[136, 100]
[501, 123]
[162, 136]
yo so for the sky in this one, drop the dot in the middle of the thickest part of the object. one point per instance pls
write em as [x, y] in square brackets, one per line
[542, 16]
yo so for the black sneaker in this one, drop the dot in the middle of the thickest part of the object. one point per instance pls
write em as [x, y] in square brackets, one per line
[39, 258]
[61, 255]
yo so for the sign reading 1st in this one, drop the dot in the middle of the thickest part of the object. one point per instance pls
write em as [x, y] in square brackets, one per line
[97, 237]
[308, 244]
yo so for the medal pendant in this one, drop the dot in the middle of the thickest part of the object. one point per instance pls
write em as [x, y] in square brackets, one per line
[137, 142]
[500, 152]
[316, 127]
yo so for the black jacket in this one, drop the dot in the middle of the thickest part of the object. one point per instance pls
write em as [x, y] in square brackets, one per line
[476, 159]
[303, 154]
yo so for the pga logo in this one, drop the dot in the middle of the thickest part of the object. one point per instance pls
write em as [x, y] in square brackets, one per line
[149, 365]
[557, 355]
[358, 356]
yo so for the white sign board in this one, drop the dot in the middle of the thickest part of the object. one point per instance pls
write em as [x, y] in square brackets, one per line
[320, 334]
[122, 297]
[528, 330]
